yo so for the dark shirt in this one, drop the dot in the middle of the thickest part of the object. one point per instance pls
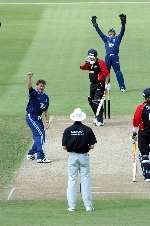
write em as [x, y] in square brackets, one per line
[78, 137]
[97, 71]
[38, 102]
[111, 43]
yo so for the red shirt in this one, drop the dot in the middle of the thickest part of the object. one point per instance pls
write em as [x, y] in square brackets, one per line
[102, 74]
[137, 119]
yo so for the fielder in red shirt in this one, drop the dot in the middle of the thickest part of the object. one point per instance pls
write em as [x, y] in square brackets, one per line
[99, 77]
[141, 127]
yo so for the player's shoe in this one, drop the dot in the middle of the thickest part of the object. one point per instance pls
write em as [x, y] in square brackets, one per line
[123, 90]
[71, 209]
[89, 209]
[147, 180]
[30, 157]
[98, 123]
[45, 160]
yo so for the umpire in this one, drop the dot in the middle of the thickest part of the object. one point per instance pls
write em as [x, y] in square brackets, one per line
[141, 126]
[112, 44]
[78, 139]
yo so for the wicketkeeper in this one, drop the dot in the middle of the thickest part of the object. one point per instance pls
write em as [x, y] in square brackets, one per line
[141, 127]
[37, 105]
[99, 77]
[112, 44]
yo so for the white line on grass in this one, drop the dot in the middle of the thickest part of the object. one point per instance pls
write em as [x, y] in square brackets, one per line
[10, 193]
[69, 3]
[118, 192]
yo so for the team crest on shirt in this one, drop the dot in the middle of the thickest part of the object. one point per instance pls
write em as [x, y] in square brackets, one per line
[111, 44]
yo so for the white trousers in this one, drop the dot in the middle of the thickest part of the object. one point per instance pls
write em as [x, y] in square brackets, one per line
[79, 163]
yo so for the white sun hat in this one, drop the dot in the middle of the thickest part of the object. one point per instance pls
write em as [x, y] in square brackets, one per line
[78, 115]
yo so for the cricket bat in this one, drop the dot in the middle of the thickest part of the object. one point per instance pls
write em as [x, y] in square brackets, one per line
[134, 164]
[100, 105]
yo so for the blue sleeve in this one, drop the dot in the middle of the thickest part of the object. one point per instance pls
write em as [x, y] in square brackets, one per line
[32, 93]
[101, 34]
[122, 31]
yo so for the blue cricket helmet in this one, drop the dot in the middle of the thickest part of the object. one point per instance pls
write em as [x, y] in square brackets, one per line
[112, 30]
[92, 52]
[146, 93]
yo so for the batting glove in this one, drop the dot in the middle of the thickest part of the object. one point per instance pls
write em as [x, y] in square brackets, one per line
[108, 86]
[134, 138]
[123, 18]
[93, 20]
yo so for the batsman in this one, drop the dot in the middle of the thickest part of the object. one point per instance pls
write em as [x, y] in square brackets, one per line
[112, 43]
[99, 77]
[141, 127]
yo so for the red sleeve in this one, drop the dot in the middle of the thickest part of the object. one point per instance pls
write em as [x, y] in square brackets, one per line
[103, 71]
[85, 66]
[137, 118]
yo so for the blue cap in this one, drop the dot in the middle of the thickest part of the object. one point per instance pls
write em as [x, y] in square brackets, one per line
[146, 93]
[112, 30]
[92, 52]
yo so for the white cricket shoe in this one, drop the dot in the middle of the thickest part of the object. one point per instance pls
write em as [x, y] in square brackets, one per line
[45, 160]
[147, 180]
[123, 90]
[89, 209]
[71, 209]
[30, 157]
[99, 123]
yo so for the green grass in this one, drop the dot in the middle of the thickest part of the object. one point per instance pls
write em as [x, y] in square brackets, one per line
[14, 139]
[54, 213]
[52, 40]
[17, 33]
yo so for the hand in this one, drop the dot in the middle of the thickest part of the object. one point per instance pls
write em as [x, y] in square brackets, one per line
[30, 75]
[108, 86]
[93, 20]
[123, 18]
[47, 125]
[134, 138]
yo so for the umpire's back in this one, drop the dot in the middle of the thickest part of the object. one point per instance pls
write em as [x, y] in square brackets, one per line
[78, 137]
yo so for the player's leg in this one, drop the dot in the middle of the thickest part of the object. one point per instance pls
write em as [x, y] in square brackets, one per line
[73, 167]
[93, 88]
[118, 72]
[143, 145]
[98, 96]
[39, 138]
[108, 62]
[85, 181]
[33, 150]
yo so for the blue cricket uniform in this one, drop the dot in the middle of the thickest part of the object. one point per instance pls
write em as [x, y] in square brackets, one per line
[38, 103]
[112, 45]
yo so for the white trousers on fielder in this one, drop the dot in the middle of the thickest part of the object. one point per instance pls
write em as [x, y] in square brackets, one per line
[79, 163]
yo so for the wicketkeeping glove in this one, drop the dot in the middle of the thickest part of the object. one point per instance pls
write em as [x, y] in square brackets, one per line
[123, 18]
[93, 20]
[134, 137]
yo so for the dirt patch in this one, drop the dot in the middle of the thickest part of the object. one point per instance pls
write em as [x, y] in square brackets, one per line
[111, 165]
